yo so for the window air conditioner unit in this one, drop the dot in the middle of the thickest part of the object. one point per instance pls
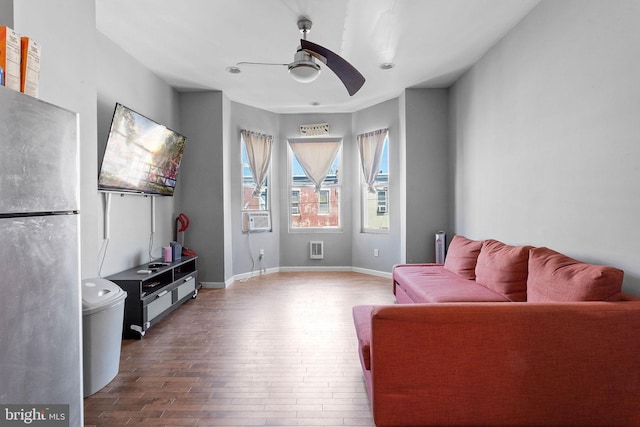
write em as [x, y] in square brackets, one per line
[382, 209]
[257, 221]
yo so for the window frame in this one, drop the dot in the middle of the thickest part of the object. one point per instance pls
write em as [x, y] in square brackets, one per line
[265, 194]
[381, 186]
[337, 185]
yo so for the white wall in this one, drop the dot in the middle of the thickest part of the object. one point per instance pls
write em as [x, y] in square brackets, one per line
[545, 133]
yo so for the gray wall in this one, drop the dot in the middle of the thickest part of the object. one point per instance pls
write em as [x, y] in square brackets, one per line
[545, 135]
[427, 180]
[202, 180]
[246, 246]
[383, 115]
[6, 13]
[294, 246]
[121, 78]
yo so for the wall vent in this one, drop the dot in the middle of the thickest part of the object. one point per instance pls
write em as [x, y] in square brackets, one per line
[316, 249]
[317, 129]
[257, 221]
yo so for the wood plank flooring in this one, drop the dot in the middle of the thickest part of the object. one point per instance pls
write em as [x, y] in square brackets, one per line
[276, 350]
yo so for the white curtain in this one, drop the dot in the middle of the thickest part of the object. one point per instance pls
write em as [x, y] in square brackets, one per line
[315, 156]
[371, 146]
[258, 148]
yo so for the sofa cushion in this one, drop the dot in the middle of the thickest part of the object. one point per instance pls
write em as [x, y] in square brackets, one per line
[554, 277]
[503, 269]
[462, 256]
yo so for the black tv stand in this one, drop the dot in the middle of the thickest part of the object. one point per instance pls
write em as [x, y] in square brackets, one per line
[152, 293]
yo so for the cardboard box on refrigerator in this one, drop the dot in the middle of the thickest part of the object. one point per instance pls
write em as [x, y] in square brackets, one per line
[29, 66]
[10, 57]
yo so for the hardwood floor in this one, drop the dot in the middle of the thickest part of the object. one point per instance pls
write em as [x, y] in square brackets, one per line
[275, 350]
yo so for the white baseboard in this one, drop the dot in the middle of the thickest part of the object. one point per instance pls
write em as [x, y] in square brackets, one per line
[313, 269]
[213, 285]
[384, 274]
[245, 276]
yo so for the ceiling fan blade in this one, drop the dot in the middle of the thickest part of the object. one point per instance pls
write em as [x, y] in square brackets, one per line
[350, 77]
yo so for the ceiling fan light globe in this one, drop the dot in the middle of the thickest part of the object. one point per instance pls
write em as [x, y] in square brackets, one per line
[304, 72]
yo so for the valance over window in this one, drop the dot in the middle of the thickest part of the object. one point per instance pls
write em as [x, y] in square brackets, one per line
[371, 146]
[316, 156]
[258, 148]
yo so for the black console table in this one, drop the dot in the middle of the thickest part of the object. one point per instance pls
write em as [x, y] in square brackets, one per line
[155, 290]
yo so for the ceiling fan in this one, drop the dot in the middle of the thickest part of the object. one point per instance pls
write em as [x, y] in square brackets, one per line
[305, 69]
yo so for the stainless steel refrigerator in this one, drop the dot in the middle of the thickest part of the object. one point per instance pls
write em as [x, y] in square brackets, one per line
[40, 300]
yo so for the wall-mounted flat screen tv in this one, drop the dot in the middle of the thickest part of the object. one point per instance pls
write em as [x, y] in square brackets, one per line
[141, 156]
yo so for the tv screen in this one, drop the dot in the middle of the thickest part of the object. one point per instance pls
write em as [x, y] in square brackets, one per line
[141, 156]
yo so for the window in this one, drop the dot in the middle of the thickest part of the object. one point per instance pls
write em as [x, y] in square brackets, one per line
[323, 202]
[254, 196]
[382, 202]
[315, 183]
[374, 159]
[295, 202]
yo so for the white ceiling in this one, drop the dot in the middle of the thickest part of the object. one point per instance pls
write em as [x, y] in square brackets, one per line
[190, 44]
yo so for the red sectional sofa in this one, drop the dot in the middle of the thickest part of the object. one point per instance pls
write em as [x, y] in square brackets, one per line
[503, 335]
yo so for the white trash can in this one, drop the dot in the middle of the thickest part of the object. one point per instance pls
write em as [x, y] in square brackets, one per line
[102, 317]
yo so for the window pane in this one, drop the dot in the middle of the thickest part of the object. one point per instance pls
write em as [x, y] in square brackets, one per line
[310, 214]
[298, 177]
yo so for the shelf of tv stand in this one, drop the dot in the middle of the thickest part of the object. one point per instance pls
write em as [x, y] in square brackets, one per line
[151, 296]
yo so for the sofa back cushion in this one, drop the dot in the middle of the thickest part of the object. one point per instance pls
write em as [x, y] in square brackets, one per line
[554, 277]
[462, 256]
[503, 269]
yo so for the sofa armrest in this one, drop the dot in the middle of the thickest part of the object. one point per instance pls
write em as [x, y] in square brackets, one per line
[506, 364]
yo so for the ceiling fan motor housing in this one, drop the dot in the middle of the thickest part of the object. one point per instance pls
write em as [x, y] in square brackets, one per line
[303, 68]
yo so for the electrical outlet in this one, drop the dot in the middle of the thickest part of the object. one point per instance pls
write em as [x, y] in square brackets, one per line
[376, 252]
[261, 251]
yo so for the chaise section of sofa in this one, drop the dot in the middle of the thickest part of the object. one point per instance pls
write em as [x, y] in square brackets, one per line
[516, 364]
[420, 283]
